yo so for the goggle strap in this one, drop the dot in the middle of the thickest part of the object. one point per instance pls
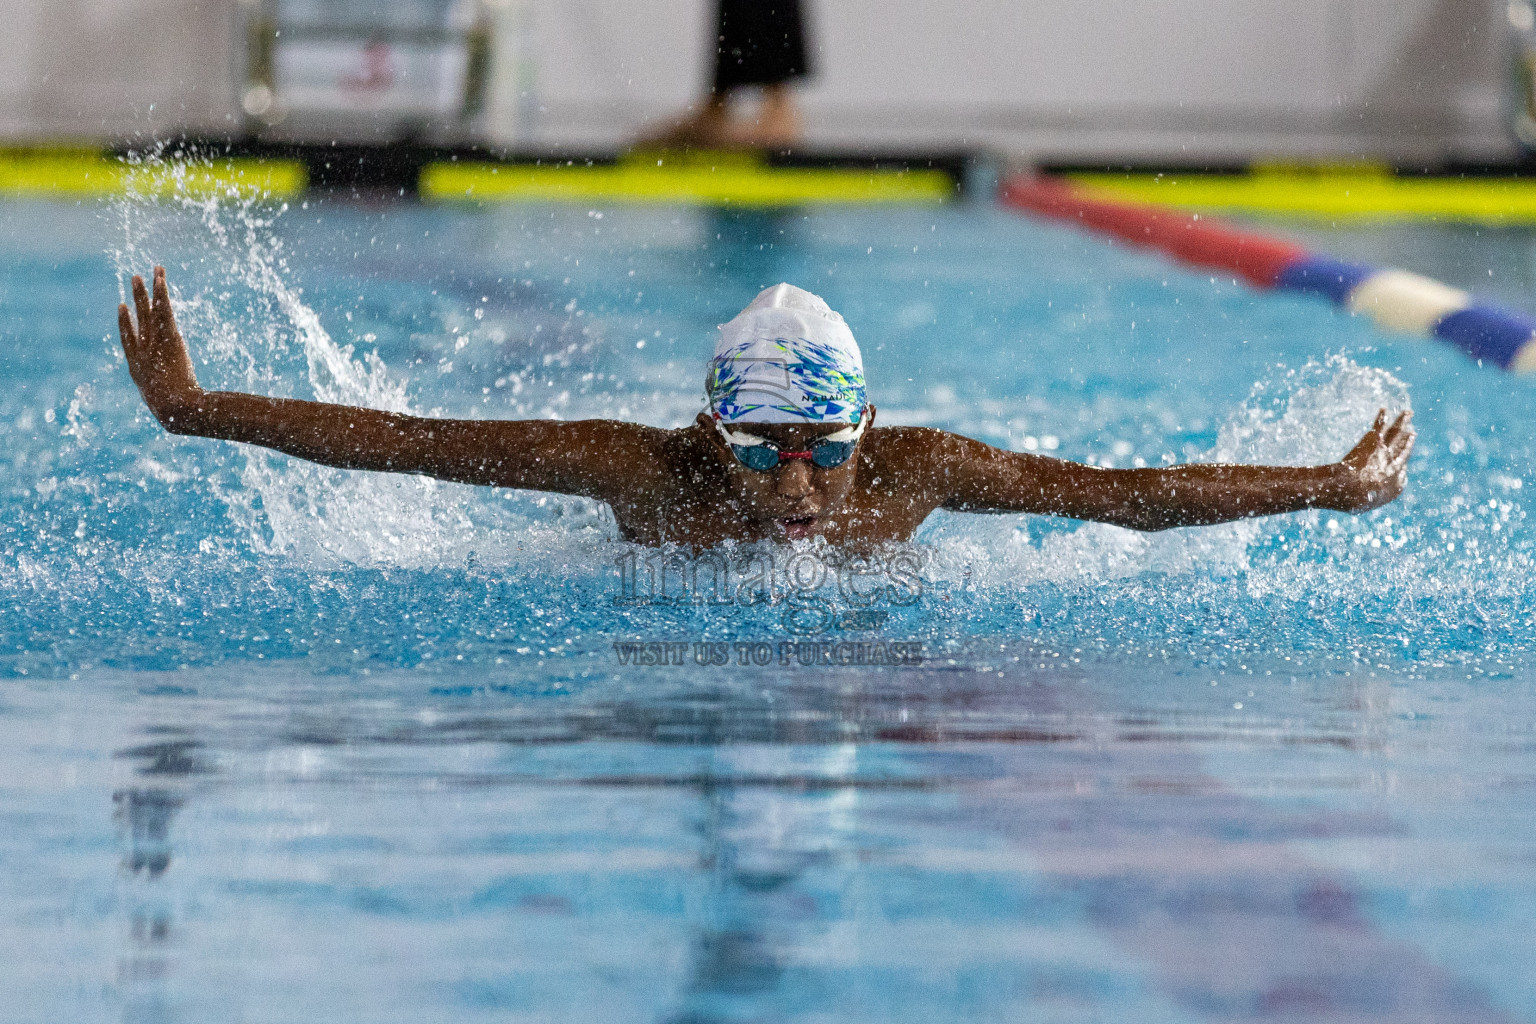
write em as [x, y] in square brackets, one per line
[852, 432]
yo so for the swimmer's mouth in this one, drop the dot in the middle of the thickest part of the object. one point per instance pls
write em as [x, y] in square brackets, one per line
[798, 527]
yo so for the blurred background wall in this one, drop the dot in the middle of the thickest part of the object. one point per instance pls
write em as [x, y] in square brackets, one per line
[1066, 79]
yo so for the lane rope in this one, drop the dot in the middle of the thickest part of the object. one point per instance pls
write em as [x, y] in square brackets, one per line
[1397, 300]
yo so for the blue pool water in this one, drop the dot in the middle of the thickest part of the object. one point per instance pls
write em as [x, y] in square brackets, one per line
[282, 743]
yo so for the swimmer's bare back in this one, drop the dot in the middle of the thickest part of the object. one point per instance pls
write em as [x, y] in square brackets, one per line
[685, 486]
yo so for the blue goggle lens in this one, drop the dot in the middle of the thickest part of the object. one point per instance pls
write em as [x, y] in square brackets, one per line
[828, 454]
[824, 454]
[761, 457]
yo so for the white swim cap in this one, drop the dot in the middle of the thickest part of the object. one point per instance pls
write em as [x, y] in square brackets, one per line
[786, 358]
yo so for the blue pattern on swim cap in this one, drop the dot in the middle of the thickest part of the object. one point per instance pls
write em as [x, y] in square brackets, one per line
[787, 358]
[808, 380]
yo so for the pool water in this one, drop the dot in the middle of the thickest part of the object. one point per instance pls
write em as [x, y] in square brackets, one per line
[284, 743]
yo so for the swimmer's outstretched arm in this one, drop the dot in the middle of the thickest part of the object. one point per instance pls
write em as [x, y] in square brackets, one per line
[987, 479]
[591, 458]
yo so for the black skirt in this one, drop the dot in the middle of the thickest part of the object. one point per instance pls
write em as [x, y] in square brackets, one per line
[759, 42]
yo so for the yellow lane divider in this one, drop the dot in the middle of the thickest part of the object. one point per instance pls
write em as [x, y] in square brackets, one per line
[1351, 193]
[59, 173]
[727, 179]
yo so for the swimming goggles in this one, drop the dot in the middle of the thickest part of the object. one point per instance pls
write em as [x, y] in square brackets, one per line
[761, 454]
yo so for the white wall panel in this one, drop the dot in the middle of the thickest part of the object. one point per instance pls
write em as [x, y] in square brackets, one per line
[1149, 78]
[1158, 51]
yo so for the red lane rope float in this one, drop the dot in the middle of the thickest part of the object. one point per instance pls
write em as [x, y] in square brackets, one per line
[1203, 243]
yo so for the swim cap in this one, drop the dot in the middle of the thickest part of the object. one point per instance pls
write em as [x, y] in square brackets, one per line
[786, 358]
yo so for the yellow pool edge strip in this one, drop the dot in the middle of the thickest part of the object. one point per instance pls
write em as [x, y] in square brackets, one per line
[726, 184]
[1349, 195]
[90, 173]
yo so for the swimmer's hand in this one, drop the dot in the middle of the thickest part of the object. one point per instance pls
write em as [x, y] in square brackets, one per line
[158, 359]
[1376, 470]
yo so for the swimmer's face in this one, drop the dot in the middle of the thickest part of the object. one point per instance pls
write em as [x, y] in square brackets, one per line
[795, 499]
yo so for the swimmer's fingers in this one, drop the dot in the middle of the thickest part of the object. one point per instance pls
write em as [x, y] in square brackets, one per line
[138, 341]
[169, 350]
[1359, 457]
[146, 317]
[1402, 426]
[125, 331]
[132, 348]
[1397, 446]
[157, 357]
[165, 319]
[1399, 442]
[1402, 448]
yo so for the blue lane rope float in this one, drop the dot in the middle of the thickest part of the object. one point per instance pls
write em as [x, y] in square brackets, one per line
[1407, 302]
[1396, 300]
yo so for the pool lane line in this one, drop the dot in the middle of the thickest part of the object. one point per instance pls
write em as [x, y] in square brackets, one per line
[1354, 192]
[225, 168]
[80, 173]
[719, 179]
[1396, 300]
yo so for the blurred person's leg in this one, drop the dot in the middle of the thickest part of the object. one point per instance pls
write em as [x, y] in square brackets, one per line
[777, 124]
[757, 43]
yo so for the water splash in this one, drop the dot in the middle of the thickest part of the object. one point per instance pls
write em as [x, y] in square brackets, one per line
[1309, 416]
[184, 551]
[246, 321]
[255, 325]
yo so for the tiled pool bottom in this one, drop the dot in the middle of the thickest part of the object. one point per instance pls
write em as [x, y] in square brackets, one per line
[1007, 842]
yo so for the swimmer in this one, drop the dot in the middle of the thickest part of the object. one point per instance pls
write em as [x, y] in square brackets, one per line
[787, 448]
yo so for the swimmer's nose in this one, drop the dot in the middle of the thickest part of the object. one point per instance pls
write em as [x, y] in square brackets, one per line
[794, 479]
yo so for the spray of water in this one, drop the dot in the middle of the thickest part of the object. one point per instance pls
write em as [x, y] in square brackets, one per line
[247, 321]
[1395, 578]
[249, 318]
[1308, 416]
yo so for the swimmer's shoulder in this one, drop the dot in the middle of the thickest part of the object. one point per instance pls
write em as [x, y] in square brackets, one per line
[919, 464]
[681, 451]
[903, 443]
[909, 461]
